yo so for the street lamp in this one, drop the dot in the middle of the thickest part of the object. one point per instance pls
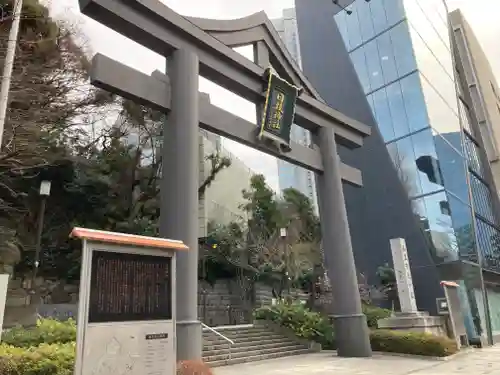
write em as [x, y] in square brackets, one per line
[44, 193]
[283, 234]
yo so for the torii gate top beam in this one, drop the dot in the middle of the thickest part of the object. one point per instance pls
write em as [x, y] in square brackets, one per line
[155, 26]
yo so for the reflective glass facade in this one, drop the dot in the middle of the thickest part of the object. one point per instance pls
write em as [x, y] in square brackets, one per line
[292, 176]
[402, 55]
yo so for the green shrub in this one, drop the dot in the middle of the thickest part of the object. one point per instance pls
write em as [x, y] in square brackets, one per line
[303, 322]
[47, 331]
[412, 343]
[313, 326]
[56, 359]
[374, 313]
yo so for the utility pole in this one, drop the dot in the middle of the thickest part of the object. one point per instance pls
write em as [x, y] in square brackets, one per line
[9, 64]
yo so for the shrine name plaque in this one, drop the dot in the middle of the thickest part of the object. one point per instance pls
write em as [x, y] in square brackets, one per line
[129, 287]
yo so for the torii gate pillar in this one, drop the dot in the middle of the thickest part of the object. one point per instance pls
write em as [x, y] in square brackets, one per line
[179, 194]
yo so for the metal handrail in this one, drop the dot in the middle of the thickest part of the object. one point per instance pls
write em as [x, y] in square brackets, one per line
[218, 333]
[231, 342]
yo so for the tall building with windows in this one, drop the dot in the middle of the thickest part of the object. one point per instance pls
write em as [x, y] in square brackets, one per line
[291, 175]
[483, 89]
[408, 69]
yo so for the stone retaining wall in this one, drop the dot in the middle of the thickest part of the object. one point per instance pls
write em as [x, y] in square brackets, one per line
[219, 304]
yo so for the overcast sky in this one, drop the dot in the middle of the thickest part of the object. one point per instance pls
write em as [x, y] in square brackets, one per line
[481, 14]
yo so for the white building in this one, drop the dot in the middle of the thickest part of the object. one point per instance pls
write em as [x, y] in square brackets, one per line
[223, 198]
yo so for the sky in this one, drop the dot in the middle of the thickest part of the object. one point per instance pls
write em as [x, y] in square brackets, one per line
[482, 15]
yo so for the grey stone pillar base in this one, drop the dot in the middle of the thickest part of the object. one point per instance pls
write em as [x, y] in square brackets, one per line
[189, 340]
[418, 321]
[351, 331]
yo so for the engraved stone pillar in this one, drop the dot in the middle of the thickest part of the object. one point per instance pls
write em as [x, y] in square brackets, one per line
[404, 280]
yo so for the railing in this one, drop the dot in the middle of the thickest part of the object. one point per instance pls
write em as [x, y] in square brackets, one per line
[231, 342]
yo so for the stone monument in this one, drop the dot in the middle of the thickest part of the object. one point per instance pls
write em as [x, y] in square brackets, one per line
[409, 318]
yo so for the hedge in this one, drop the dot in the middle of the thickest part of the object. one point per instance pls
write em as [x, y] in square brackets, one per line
[45, 359]
[412, 343]
[313, 326]
[47, 331]
[58, 359]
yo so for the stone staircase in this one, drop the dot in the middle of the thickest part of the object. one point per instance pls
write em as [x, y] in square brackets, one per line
[251, 343]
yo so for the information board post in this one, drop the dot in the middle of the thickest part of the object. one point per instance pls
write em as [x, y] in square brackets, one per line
[126, 312]
[454, 311]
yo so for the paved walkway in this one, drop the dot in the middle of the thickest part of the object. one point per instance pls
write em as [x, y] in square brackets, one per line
[477, 362]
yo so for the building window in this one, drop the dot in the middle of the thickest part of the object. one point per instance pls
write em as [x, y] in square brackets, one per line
[403, 49]
[481, 196]
[379, 16]
[488, 240]
[359, 61]
[387, 60]
[461, 216]
[353, 28]
[382, 114]
[473, 156]
[463, 109]
[414, 102]
[437, 226]
[398, 110]
[365, 21]
[394, 10]
[373, 63]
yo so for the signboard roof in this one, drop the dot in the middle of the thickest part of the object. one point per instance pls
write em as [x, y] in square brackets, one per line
[126, 239]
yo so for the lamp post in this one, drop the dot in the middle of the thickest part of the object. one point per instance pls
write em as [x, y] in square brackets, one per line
[283, 234]
[44, 193]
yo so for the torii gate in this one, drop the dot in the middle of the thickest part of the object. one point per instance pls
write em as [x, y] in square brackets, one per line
[196, 47]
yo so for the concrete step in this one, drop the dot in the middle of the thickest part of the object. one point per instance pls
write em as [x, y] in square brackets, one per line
[251, 348]
[255, 358]
[236, 340]
[251, 343]
[218, 356]
[246, 334]
[235, 330]
[279, 340]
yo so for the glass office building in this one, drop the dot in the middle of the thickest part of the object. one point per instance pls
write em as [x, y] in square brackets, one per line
[402, 53]
[291, 175]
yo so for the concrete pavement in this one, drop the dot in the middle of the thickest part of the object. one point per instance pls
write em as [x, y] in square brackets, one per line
[476, 362]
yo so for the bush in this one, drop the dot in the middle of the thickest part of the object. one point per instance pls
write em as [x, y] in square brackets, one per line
[303, 322]
[374, 313]
[193, 368]
[412, 343]
[47, 331]
[313, 326]
[56, 359]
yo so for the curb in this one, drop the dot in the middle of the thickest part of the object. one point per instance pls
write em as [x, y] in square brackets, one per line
[430, 358]
[416, 356]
